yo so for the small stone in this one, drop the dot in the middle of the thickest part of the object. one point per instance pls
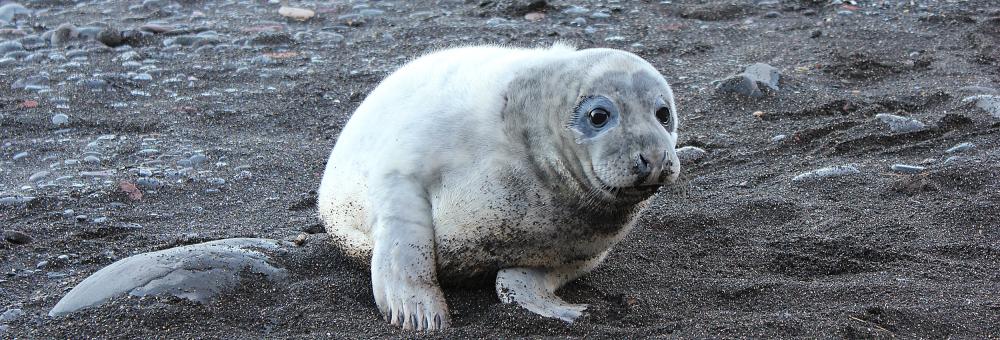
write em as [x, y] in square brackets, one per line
[16, 237]
[756, 81]
[816, 34]
[576, 10]
[10, 201]
[907, 169]
[11, 315]
[94, 83]
[60, 119]
[81, 218]
[295, 13]
[301, 239]
[92, 160]
[35, 177]
[690, 154]
[10, 46]
[99, 220]
[961, 147]
[600, 15]
[778, 138]
[197, 159]
[149, 183]
[20, 155]
[988, 103]
[953, 159]
[824, 173]
[371, 12]
[534, 16]
[148, 152]
[41, 264]
[10, 10]
[62, 34]
[900, 124]
[142, 77]
[216, 181]
[271, 38]
[772, 14]
[110, 37]
[578, 22]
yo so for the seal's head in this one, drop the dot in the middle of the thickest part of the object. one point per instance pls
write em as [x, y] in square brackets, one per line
[612, 120]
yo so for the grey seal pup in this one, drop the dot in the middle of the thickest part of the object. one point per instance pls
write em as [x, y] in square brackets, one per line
[527, 163]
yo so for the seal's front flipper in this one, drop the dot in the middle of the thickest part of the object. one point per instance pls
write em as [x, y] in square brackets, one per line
[404, 270]
[534, 289]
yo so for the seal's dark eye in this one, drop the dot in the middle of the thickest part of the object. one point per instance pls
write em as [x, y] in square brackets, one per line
[663, 115]
[599, 117]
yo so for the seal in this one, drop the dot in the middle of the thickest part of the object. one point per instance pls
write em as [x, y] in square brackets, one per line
[527, 163]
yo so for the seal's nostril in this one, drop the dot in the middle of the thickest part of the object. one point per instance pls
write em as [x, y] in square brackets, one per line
[641, 166]
[643, 160]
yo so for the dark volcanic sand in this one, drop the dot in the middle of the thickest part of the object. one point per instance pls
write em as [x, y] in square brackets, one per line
[735, 250]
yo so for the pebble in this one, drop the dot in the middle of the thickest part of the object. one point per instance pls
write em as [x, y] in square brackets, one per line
[92, 160]
[578, 22]
[148, 183]
[94, 83]
[988, 103]
[97, 174]
[778, 138]
[10, 46]
[41, 264]
[371, 12]
[755, 81]
[60, 119]
[20, 155]
[961, 147]
[600, 15]
[772, 14]
[953, 160]
[98, 220]
[11, 315]
[142, 77]
[828, 172]
[900, 124]
[197, 159]
[907, 169]
[32, 83]
[295, 13]
[690, 154]
[216, 181]
[8, 11]
[148, 152]
[35, 177]
[576, 10]
[16, 237]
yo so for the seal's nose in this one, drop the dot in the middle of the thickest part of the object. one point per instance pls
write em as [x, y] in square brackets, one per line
[655, 168]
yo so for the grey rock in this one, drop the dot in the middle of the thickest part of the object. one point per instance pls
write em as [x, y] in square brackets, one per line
[772, 14]
[8, 11]
[16, 237]
[575, 10]
[271, 38]
[149, 183]
[148, 152]
[907, 169]
[16, 55]
[60, 119]
[755, 81]
[62, 34]
[94, 83]
[371, 12]
[690, 154]
[11, 315]
[97, 174]
[10, 46]
[778, 138]
[216, 181]
[961, 147]
[20, 155]
[33, 83]
[600, 15]
[900, 124]
[92, 160]
[824, 173]
[11, 201]
[41, 264]
[35, 177]
[988, 103]
[198, 272]
[953, 159]
[578, 22]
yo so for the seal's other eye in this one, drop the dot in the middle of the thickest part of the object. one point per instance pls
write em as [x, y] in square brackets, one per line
[599, 117]
[663, 115]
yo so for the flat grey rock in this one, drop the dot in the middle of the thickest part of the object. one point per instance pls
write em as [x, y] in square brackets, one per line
[900, 124]
[755, 81]
[197, 272]
[828, 172]
[690, 154]
[988, 103]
